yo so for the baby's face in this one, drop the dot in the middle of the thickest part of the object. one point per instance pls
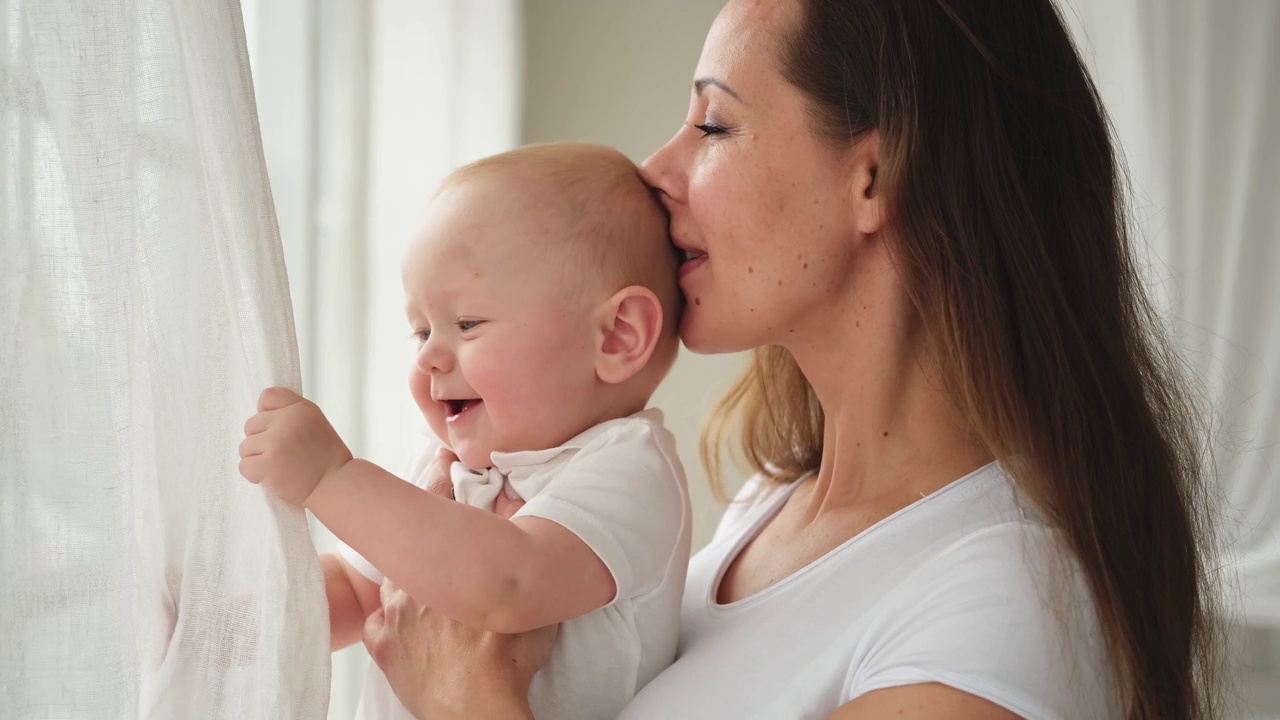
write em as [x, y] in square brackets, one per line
[506, 349]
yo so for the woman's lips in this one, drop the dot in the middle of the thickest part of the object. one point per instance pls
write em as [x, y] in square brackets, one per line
[691, 265]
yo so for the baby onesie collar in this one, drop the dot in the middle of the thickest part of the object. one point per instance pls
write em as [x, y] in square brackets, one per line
[517, 471]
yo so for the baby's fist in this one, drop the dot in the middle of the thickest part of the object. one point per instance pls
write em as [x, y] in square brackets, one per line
[290, 446]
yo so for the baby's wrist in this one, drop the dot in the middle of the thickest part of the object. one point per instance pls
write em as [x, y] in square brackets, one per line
[330, 478]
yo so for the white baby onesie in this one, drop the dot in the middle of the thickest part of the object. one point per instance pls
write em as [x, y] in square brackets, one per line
[618, 486]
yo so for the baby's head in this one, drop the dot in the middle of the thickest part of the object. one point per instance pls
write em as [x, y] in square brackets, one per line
[542, 290]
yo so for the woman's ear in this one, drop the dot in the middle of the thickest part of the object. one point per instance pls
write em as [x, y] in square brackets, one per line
[868, 201]
[630, 327]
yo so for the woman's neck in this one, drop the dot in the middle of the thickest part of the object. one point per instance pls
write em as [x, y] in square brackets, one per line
[891, 432]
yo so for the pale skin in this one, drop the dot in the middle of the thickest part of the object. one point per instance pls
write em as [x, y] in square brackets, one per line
[743, 174]
[488, 310]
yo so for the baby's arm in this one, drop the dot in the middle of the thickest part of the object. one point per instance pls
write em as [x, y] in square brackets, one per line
[352, 599]
[483, 570]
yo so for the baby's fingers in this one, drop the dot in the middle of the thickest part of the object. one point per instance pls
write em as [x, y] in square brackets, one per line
[251, 468]
[275, 398]
[256, 424]
[252, 445]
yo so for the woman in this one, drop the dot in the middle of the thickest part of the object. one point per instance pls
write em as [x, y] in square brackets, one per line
[978, 488]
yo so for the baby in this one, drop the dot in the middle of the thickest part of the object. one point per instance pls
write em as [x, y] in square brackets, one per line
[542, 293]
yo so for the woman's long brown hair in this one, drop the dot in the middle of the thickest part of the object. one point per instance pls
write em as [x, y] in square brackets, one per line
[1007, 207]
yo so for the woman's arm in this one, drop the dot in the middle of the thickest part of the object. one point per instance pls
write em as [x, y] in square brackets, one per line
[929, 701]
[442, 670]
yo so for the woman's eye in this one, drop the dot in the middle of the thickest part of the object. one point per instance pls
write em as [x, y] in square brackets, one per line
[710, 128]
[465, 325]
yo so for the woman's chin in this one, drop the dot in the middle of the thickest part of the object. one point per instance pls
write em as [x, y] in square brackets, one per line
[705, 338]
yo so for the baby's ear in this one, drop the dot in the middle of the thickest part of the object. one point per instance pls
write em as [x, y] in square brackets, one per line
[630, 325]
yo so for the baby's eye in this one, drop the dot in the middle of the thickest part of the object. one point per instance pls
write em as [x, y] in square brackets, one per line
[421, 336]
[465, 325]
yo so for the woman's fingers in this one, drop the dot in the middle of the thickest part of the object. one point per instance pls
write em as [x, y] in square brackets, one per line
[439, 481]
[387, 593]
[504, 506]
[436, 665]
[375, 636]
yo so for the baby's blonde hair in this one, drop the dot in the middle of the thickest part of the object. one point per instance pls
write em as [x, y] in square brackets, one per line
[615, 229]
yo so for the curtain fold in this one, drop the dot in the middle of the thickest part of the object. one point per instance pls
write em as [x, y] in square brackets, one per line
[143, 304]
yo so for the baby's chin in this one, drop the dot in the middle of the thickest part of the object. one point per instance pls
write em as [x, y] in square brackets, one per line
[473, 455]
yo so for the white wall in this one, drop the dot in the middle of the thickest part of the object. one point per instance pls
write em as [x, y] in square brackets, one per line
[618, 72]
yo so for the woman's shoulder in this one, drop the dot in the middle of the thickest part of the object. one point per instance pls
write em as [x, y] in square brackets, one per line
[985, 549]
[1004, 613]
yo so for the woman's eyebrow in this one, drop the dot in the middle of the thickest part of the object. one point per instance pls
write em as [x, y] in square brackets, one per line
[701, 84]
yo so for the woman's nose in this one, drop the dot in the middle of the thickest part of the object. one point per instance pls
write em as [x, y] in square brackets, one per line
[659, 171]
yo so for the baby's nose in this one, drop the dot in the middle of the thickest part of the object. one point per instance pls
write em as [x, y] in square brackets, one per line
[434, 359]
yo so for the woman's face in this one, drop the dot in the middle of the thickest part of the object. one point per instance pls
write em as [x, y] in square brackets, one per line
[762, 203]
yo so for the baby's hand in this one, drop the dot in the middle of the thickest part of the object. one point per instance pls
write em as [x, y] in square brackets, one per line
[289, 446]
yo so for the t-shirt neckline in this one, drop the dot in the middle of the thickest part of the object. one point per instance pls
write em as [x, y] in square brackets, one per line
[774, 506]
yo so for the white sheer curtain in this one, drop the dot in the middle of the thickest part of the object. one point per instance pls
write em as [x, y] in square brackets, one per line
[1193, 87]
[143, 305]
[364, 108]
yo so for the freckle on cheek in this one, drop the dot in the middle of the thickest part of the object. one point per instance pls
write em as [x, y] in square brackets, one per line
[779, 283]
[697, 301]
[806, 266]
[749, 269]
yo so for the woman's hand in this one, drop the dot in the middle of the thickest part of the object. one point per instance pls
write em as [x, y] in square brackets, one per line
[437, 473]
[442, 669]
[439, 482]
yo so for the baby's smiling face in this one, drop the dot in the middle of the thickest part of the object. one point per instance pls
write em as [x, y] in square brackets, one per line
[507, 339]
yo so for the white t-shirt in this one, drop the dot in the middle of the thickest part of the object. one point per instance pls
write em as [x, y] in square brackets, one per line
[619, 487]
[946, 590]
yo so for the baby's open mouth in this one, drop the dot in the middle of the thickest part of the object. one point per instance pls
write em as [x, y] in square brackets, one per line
[457, 407]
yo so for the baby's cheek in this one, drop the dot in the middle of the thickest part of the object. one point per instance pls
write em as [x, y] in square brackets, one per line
[516, 409]
[420, 389]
